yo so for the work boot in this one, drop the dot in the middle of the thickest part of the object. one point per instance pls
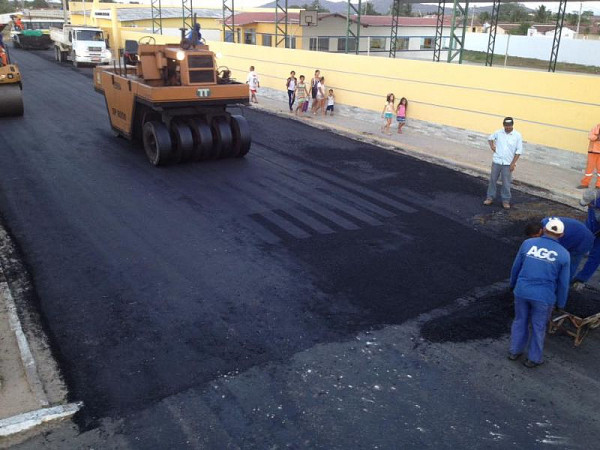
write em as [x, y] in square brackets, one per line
[514, 356]
[506, 205]
[488, 201]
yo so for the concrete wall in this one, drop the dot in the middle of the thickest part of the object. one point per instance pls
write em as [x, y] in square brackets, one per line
[553, 109]
[577, 51]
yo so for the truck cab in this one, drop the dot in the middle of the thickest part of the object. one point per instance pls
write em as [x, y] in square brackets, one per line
[81, 45]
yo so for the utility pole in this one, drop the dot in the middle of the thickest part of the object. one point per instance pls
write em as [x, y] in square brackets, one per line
[579, 18]
[65, 11]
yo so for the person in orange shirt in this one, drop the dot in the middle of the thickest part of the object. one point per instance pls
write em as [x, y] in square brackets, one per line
[593, 161]
[3, 57]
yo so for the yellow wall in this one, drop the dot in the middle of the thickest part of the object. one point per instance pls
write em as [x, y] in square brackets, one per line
[554, 109]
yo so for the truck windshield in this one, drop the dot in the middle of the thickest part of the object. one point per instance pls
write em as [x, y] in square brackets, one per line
[89, 35]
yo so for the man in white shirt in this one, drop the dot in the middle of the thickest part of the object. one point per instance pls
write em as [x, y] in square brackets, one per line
[507, 146]
[253, 83]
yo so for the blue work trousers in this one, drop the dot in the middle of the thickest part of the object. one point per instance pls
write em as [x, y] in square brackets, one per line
[575, 261]
[536, 314]
[503, 172]
[591, 264]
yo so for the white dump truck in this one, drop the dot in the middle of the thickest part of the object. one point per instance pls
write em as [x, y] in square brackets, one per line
[81, 45]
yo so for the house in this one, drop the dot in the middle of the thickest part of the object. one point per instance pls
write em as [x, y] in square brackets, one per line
[548, 31]
[415, 39]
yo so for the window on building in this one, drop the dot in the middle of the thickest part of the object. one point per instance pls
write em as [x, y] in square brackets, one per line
[320, 44]
[377, 43]
[290, 42]
[250, 37]
[426, 43]
[342, 44]
[228, 36]
[267, 40]
[402, 43]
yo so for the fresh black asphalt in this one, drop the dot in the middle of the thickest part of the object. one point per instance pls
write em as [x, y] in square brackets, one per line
[152, 282]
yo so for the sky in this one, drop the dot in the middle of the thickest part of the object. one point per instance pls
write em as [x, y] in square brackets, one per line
[572, 5]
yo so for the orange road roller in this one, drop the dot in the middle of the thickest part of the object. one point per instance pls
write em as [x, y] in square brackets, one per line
[174, 100]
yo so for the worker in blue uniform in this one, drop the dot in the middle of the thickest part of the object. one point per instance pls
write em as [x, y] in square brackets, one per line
[592, 200]
[577, 239]
[539, 280]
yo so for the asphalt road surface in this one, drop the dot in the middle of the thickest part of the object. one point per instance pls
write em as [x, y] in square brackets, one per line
[273, 301]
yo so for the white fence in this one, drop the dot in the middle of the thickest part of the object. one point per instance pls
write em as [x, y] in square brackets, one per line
[577, 51]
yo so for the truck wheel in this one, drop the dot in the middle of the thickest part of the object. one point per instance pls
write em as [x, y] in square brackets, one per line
[184, 140]
[241, 136]
[203, 140]
[222, 138]
[74, 58]
[157, 143]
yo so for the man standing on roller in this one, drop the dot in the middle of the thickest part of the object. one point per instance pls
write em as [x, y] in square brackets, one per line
[539, 280]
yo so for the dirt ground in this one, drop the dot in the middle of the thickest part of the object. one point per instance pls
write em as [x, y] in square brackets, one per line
[15, 395]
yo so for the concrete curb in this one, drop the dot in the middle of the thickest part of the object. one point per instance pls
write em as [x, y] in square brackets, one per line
[415, 152]
[27, 359]
[25, 422]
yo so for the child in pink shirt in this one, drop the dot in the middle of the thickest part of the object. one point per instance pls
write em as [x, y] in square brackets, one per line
[401, 113]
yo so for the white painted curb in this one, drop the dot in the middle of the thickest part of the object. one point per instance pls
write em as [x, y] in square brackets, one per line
[27, 421]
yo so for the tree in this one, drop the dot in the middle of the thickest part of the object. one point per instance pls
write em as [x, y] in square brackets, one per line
[484, 17]
[512, 13]
[316, 6]
[542, 14]
[6, 7]
[368, 9]
[521, 29]
[572, 18]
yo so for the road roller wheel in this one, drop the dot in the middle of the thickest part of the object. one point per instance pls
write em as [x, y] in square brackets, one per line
[12, 100]
[203, 139]
[157, 142]
[241, 136]
[183, 140]
[222, 138]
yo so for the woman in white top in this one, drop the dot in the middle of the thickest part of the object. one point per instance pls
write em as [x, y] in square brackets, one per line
[320, 96]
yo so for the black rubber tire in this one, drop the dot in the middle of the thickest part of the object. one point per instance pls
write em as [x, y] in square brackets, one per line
[183, 140]
[203, 139]
[222, 137]
[242, 138]
[157, 143]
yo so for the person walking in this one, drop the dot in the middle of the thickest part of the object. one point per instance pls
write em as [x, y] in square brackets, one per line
[291, 88]
[330, 102]
[507, 146]
[592, 200]
[254, 83]
[539, 280]
[577, 239]
[314, 89]
[388, 114]
[321, 96]
[593, 159]
[401, 113]
[302, 95]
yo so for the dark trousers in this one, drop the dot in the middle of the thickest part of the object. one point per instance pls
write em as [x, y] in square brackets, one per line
[291, 98]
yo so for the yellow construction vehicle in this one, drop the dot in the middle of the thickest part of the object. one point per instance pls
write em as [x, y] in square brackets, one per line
[174, 101]
[11, 96]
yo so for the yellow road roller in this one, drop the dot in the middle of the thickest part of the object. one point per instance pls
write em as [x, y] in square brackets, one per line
[174, 101]
[11, 88]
